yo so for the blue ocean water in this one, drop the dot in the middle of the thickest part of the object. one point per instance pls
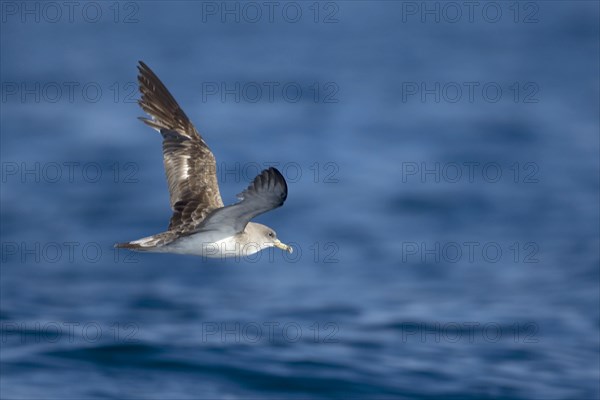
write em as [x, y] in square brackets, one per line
[443, 171]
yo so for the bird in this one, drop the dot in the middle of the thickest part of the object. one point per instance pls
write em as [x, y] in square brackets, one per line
[200, 224]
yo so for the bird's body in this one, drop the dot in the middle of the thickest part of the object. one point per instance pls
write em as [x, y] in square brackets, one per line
[209, 244]
[201, 225]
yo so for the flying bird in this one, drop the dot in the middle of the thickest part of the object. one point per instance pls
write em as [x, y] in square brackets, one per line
[201, 225]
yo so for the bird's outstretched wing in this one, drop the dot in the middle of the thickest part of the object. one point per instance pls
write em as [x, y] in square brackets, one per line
[266, 192]
[189, 164]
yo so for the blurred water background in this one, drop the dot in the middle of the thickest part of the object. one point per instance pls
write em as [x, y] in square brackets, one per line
[443, 171]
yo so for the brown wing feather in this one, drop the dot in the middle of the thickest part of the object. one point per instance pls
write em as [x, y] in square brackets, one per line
[189, 164]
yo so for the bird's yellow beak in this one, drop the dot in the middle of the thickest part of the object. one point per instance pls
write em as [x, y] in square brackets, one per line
[277, 243]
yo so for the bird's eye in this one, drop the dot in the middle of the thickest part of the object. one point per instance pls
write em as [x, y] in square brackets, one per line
[271, 234]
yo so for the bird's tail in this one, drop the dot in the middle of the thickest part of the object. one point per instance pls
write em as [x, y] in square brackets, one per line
[149, 243]
[128, 245]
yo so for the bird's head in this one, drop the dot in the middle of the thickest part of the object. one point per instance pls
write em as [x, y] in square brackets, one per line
[266, 237]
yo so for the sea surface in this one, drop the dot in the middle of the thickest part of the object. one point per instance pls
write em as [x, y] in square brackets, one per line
[443, 169]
